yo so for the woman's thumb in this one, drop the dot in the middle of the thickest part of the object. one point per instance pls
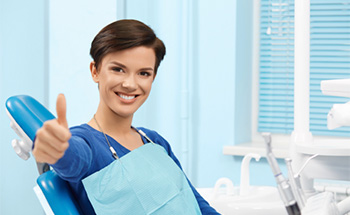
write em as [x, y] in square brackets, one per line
[61, 110]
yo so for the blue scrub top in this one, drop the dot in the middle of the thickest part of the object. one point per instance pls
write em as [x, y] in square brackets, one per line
[88, 152]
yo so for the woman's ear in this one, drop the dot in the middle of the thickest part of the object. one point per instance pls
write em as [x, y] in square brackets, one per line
[94, 72]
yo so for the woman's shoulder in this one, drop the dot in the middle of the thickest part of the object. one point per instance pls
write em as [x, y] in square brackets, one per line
[83, 128]
[84, 131]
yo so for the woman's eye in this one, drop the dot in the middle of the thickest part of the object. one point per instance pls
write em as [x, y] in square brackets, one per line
[145, 73]
[117, 69]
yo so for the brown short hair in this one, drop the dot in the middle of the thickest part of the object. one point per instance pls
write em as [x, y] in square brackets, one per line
[125, 34]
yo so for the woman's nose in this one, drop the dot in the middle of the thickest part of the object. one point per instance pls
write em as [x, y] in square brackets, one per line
[129, 82]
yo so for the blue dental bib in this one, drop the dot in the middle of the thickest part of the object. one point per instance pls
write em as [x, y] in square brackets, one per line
[144, 181]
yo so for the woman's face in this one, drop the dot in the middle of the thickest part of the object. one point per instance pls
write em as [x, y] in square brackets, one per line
[125, 79]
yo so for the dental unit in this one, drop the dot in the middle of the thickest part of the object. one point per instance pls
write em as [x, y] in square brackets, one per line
[292, 194]
[333, 157]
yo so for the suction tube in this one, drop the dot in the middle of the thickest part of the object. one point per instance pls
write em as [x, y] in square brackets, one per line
[283, 186]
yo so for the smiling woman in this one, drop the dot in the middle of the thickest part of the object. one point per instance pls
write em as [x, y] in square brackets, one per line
[125, 79]
[126, 55]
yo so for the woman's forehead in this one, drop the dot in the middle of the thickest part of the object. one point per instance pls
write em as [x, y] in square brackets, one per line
[138, 56]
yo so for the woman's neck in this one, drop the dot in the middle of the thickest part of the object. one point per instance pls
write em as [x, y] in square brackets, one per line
[111, 123]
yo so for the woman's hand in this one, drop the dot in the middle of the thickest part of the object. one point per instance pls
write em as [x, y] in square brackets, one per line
[52, 138]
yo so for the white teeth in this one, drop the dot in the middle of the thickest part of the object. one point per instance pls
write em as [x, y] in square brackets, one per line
[126, 97]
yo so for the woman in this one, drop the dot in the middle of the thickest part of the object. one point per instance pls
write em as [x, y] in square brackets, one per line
[91, 157]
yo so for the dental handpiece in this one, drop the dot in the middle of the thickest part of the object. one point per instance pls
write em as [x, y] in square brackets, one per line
[295, 184]
[283, 186]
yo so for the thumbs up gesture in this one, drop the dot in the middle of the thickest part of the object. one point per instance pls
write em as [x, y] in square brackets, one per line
[52, 138]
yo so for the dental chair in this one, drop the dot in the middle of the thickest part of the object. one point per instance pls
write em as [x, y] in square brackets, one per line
[27, 115]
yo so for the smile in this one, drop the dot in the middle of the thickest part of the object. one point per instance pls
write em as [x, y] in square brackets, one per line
[126, 97]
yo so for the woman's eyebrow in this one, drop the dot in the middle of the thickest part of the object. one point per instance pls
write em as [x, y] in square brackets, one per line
[124, 67]
[147, 68]
[118, 64]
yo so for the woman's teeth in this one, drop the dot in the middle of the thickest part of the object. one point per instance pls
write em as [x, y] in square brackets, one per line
[126, 97]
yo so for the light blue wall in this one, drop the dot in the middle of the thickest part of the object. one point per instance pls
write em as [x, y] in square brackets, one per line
[216, 90]
[73, 25]
[23, 70]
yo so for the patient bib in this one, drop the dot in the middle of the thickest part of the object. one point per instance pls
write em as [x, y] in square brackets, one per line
[144, 181]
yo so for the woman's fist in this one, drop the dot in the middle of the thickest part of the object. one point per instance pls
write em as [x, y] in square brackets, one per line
[51, 140]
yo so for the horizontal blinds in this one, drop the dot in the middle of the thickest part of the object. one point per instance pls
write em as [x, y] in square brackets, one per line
[329, 59]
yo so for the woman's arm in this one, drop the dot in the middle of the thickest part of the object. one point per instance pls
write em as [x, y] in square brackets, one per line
[76, 161]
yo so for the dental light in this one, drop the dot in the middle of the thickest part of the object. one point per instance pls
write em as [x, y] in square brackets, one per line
[338, 87]
[339, 115]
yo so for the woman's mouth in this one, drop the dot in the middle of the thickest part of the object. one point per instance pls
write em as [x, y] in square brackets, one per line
[126, 98]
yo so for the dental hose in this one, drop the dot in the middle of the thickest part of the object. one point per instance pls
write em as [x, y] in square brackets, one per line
[283, 186]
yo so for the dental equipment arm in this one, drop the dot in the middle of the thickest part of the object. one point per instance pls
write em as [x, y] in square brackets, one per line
[282, 184]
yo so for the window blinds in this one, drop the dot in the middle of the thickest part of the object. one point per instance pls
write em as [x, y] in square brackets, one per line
[329, 59]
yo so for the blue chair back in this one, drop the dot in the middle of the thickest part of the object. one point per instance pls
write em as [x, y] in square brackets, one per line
[58, 194]
[29, 115]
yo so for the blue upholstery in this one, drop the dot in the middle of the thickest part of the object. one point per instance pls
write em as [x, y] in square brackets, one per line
[58, 194]
[30, 115]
